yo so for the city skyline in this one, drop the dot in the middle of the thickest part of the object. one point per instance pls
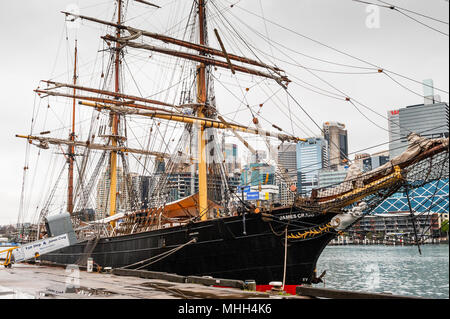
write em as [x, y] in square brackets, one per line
[385, 44]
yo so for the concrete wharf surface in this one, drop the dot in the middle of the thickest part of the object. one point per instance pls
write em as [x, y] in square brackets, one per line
[26, 281]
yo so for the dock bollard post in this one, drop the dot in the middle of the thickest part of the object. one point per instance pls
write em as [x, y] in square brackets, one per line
[250, 285]
[90, 264]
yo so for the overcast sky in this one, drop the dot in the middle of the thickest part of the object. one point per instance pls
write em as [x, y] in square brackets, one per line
[31, 33]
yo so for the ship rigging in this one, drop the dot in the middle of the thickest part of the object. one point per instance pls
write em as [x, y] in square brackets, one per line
[182, 123]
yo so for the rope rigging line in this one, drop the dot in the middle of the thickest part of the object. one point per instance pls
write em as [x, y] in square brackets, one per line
[420, 14]
[83, 198]
[163, 133]
[265, 24]
[223, 17]
[403, 86]
[425, 230]
[21, 213]
[446, 34]
[270, 97]
[400, 10]
[361, 150]
[299, 123]
[159, 257]
[320, 128]
[285, 256]
[270, 41]
[416, 216]
[350, 99]
[346, 96]
[45, 209]
[433, 203]
[413, 220]
[358, 110]
[334, 49]
[384, 129]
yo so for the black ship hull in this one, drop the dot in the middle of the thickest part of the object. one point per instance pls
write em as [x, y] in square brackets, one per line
[250, 248]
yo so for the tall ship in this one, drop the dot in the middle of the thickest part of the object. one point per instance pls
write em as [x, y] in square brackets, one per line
[175, 134]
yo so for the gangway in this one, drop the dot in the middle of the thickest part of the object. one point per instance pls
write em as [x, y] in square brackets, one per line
[60, 235]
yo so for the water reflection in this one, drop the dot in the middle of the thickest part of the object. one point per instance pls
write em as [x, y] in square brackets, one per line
[398, 270]
[7, 293]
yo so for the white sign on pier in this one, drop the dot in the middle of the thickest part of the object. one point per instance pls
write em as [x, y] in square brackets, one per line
[40, 247]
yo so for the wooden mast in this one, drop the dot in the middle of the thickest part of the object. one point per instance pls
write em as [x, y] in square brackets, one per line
[201, 99]
[202, 118]
[71, 155]
[115, 125]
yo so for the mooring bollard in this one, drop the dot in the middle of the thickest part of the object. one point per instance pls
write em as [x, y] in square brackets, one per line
[250, 285]
[90, 264]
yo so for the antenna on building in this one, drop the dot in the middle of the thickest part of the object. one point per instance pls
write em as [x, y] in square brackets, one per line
[428, 92]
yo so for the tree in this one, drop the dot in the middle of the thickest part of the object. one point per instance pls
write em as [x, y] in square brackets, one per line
[444, 226]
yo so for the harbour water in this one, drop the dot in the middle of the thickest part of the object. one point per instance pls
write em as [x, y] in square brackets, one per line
[399, 270]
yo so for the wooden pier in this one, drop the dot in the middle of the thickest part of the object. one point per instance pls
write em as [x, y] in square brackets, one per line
[34, 281]
[45, 281]
[325, 293]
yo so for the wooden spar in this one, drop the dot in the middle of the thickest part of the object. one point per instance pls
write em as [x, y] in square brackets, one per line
[224, 51]
[109, 93]
[71, 155]
[102, 100]
[201, 99]
[186, 44]
[148, 3]
[195, 120]
[56, 141]
[198, 58]
[243, 141]
[205, 49]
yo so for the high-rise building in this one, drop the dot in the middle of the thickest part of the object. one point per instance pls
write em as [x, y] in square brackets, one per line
[124, 186]
[180, 184]
[312, 156]
[141, 186]
[160, 165]
[287, 160]
[428, 93]
[258, 157]
[428, 120]
[230, 154]
[395, 143]
[359, 160]
[375, 161]
[332, 177]
[336, 136]
[258, 174]
[286, 195]
[101, 200]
